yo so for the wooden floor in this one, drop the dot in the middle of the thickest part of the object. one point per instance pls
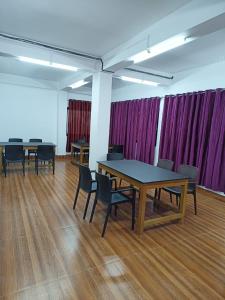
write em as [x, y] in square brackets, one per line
[48, 252]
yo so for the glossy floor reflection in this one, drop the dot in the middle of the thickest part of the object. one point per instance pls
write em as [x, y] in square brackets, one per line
[47, 251]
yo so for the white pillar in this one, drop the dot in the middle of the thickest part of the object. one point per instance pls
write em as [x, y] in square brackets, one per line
[156, 158]
[100, 117]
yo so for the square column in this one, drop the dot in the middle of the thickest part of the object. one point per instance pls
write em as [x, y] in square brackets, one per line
[100, 117]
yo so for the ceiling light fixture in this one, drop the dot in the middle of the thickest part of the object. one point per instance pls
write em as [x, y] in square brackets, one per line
[162, 47]
[139, 81]
[78, 84]
[47, 63]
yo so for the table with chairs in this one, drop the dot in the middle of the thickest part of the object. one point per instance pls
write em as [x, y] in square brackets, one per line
[14, 152]
[141, 178]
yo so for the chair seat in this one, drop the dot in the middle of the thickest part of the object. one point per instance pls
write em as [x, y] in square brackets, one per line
[14, 160]
[94, 186]
[119, 198]
[177, 190]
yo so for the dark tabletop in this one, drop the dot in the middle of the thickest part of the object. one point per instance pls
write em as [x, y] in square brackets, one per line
[142, 172]
[25, 144]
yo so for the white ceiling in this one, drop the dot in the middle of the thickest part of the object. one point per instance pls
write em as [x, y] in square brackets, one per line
[90, 26]
[98, 26]
[13, 66]
[202, 51]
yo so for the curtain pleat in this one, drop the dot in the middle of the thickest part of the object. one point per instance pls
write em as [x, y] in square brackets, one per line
[193, 133]
[134, 125]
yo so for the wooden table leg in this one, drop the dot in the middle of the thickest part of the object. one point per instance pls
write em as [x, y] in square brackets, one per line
[141, 211]
[81, 156]
[183, 200]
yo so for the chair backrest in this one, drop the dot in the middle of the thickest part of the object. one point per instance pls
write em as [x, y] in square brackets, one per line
[104, 187]
[117, 149]
[81, 141]
[15, 140]
[165, 164]
[85, 178]
[191, 172]
[45, 152]
[115, 156]
[14, 152]
[35, 140]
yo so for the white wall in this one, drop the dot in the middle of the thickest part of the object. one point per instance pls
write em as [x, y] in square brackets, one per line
[208, 77]
[28, 113]
[137, 91]
[34, 109]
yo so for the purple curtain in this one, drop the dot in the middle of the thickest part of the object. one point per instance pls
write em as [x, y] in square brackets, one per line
[118, 123]
[190, 123]
[134, 125]
[147, 129]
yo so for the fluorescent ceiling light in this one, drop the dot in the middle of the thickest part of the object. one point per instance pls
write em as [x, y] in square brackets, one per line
[63, 67]
[47, 63]
[77, 84]
[140, 81]
[162, 47]
[34, 61]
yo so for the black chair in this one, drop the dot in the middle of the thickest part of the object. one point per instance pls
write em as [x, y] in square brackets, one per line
[32, 151]
[13, 154]
[192, 173]
[115, 156]
[164, 164]
[45, 153]
[111, 197]
[87, 184]
[15, 140]
[117, 149]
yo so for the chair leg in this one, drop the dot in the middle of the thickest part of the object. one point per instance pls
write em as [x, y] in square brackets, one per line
[171, 197]
[86, 206]
[53, 166]
[23, 163]
[120, 183]
[76, 197]
[177, 200]
[159, 194]
[106, 219]
[195, 202]
[156, 192]
[93, 209]
[36, 165]
[115, 211]
[4, 167]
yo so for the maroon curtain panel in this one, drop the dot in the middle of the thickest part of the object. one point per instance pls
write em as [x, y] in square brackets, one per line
[78, 121]
[191, 124]
[134, 124]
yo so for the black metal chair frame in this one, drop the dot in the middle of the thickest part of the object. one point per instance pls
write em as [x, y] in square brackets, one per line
[50, 159]
[33, 151]
[110, 204]
[115, 156]
[166, 164]
[85, 183]
[191, 189]
[19, 159]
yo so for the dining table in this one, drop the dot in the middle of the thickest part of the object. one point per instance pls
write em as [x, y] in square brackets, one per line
[145, 177]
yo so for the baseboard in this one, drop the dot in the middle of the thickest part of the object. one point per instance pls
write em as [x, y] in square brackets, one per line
[211, 193]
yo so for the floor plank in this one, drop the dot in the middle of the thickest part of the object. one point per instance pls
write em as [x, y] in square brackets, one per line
[47, 251]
